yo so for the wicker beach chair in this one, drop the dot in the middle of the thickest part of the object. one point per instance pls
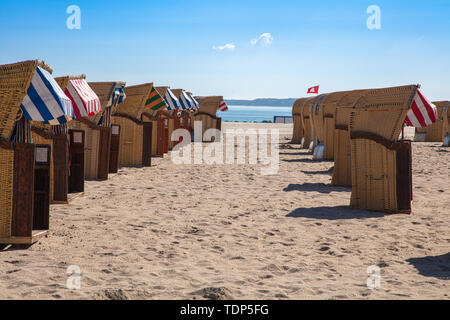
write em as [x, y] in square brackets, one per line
[207, 114]
[184, 120]
[308, 134]
[25, 167]
[169, 118]
[96, 141]
[435, 132]
[136, 135]
[317, 114]
[380, 163]
[111, 94]
[329, 106]
[153, 113]
[297, 133]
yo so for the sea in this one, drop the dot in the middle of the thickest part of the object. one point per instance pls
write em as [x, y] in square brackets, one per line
[253, 113]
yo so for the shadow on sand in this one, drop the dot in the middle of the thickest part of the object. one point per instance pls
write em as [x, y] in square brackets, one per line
[307, 160]
[333, 213]
[433, 266]
[329, 171]
[316, 187]
[295, 153]
[14, 247]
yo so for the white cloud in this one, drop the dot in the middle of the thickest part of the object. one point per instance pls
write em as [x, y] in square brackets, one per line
[265, 39]
[228, 46]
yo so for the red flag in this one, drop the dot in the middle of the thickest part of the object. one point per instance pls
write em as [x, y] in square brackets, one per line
[223, 106]
[314, 90]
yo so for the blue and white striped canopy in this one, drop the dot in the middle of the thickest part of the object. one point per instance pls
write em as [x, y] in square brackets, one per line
[172, 101]
[186, 102]
[195, 102]
[45, 101]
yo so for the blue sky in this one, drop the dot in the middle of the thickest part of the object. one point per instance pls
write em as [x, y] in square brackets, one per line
[171, 43]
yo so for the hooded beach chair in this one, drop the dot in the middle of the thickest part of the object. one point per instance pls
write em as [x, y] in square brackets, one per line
[328, 110]
[341, 146]
[111, 94]
[169, 115]
[155, 105]
[135, 135]
[435, 132]
[297, 133]
[380, 161]
[207, 114]
[317, 116]
[308, 132]
[188, 107]
[28, 93]
[84, 127]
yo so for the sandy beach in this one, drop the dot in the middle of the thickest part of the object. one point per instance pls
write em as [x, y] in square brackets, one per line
[228, 232]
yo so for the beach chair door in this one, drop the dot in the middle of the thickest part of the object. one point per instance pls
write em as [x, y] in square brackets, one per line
[60, 167]
[147, 144]
[42, 187]
[76, 179]
[114, 152]
[23, 190]
[104, 153]
[166, 135]
[404, 177]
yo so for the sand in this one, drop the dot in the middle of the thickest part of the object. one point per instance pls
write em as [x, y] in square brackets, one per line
[223, 231]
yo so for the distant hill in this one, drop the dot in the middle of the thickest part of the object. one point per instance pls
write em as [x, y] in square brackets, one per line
[262, 102]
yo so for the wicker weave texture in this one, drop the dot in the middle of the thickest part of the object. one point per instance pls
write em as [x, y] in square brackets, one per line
[297, 133]
[387, 106]
[134, 105]
[209, 104]
[342, 167]
[306, 123]
[436, 131]
[6, 191]
[373, 176]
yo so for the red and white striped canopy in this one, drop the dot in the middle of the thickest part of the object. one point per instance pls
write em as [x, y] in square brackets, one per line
[84, 100]
[422, 113]
[223, 106]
